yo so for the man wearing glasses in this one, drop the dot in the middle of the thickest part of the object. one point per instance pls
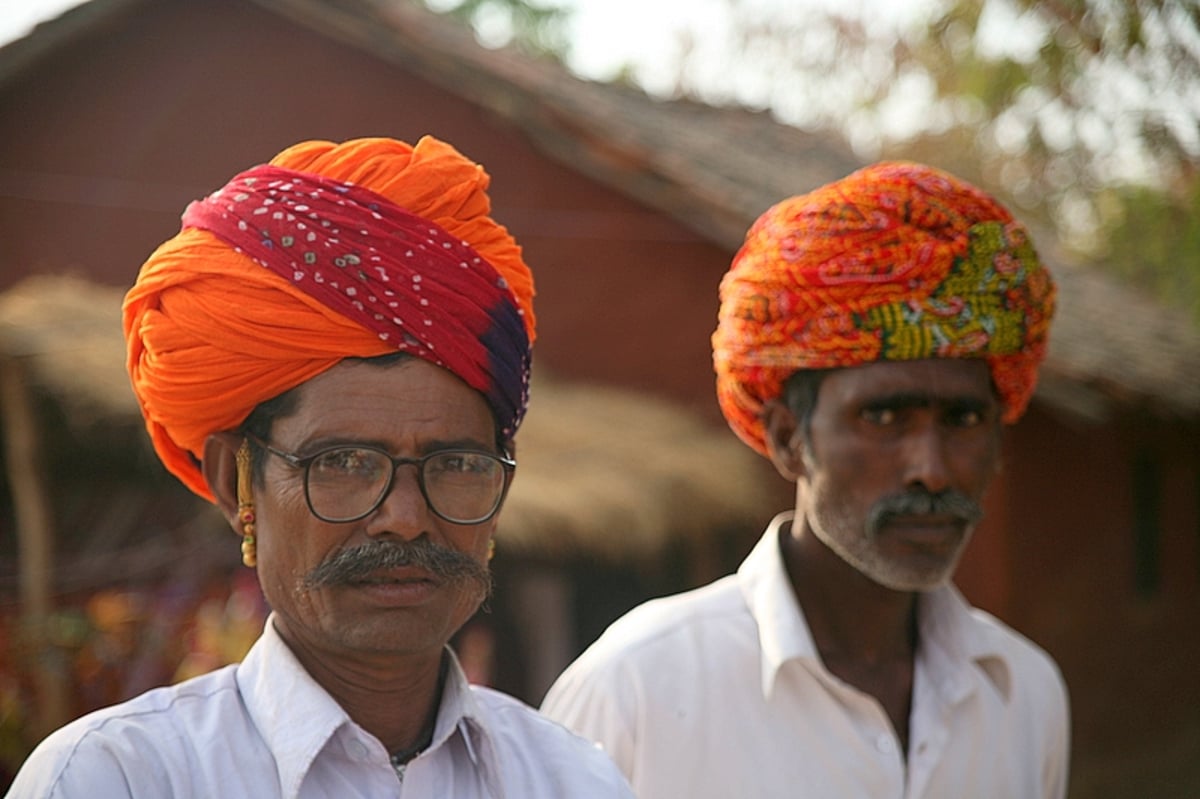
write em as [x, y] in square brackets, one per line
[335, 350]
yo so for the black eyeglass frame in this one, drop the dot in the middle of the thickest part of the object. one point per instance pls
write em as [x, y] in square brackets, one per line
[508, 465]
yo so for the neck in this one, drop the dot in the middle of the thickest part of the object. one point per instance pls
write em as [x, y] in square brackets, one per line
[395, 698]
[848, 614]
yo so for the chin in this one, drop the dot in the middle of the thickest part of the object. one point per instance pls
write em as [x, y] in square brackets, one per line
[910, 581]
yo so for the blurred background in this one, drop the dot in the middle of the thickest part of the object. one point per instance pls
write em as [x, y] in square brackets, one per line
[630, 145]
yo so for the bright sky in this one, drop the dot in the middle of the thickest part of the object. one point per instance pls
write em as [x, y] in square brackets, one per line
[606, 33]
[17, 17]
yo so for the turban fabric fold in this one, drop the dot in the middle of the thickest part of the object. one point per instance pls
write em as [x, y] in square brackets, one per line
[897, 261]
[329, 251]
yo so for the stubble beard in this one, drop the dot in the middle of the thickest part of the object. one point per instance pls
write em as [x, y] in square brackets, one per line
[826, 516]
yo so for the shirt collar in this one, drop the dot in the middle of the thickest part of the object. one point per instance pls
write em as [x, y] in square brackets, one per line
[294, 715]
[783, 633]
[297, 717]
[951, 636]
[461, 712]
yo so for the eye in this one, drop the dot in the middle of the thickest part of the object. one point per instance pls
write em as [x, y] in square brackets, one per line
[348, 462]
[964, 418]
[462, 463]
[879, 415]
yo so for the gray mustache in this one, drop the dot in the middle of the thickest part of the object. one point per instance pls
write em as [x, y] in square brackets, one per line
[944, 503]
[348, 565]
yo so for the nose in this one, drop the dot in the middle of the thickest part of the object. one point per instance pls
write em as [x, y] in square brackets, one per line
[403, 511]
[925, 458]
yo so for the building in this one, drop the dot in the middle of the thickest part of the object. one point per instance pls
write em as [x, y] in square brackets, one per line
[117, 114]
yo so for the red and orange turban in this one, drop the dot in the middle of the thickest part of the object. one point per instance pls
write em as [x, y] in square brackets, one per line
[329, 251]
[897, 261]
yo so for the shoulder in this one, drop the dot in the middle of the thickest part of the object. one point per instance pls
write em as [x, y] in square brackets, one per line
[107, 752]
[1030, 678]
[1035, 700]
[674, 624]
[665, 652]
[534, 750]
[1027, 658]
[512, 723]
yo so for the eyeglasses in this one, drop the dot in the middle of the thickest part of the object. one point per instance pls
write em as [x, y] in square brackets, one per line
[347, 483]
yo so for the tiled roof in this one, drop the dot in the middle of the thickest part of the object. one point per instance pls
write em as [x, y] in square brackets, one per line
[715, 170]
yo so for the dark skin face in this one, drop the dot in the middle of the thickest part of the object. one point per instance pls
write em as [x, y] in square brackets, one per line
[894, 433]
[883, 436]
[383, 632]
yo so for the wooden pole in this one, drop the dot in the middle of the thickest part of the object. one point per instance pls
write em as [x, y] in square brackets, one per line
[35, 544]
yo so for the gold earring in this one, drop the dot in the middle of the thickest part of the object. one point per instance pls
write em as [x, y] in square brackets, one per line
[491, 548]
[245, 494]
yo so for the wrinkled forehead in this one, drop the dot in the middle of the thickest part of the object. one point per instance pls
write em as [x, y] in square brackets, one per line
[370, 398]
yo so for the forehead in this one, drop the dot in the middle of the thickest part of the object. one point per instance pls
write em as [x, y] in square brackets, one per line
[389, 402]
[936, 380]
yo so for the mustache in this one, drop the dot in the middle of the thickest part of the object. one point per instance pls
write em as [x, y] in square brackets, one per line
[919, 503]
[350, 565]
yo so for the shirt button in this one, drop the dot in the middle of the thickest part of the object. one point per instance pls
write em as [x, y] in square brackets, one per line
[358, 748]
[883, 742]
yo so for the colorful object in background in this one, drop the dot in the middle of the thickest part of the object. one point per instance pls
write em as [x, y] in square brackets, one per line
[119, 642]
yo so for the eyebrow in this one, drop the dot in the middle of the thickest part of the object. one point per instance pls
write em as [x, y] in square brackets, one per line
[437, 445]
[919, 399]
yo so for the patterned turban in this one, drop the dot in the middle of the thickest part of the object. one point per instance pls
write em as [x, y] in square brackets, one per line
[897, 261]
[329, 251]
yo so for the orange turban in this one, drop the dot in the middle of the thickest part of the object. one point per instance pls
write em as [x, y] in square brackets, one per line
[897, 261]
[330, 251]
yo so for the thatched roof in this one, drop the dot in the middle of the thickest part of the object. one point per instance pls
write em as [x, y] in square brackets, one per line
[602, 470]
[68, 332]
[622, 474]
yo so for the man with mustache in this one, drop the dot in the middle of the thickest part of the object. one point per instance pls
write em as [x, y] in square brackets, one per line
[873, 337]
[335, 349]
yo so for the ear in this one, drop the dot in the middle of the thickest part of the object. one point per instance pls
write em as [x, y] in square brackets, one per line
[219, 467]
[784, 439]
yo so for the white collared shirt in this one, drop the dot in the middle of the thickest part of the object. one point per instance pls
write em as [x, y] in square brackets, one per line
[720, 692]
[265, 728]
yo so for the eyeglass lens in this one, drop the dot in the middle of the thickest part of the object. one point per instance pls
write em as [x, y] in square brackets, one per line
[350, 482]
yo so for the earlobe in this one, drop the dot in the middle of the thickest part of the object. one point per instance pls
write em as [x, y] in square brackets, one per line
[783, 439]
[220, 471]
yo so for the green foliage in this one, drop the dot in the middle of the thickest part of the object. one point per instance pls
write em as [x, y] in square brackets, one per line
[1102, 132]
[1085, 114]
[1156, 244]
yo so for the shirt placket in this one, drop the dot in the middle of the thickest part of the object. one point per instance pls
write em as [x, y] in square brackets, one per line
[933, 706]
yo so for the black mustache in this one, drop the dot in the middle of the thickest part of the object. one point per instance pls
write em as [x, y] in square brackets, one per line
[349, 565]
[917, 503]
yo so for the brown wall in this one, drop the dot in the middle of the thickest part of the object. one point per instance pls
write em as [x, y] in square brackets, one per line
[105, 143]
[1130, 657]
